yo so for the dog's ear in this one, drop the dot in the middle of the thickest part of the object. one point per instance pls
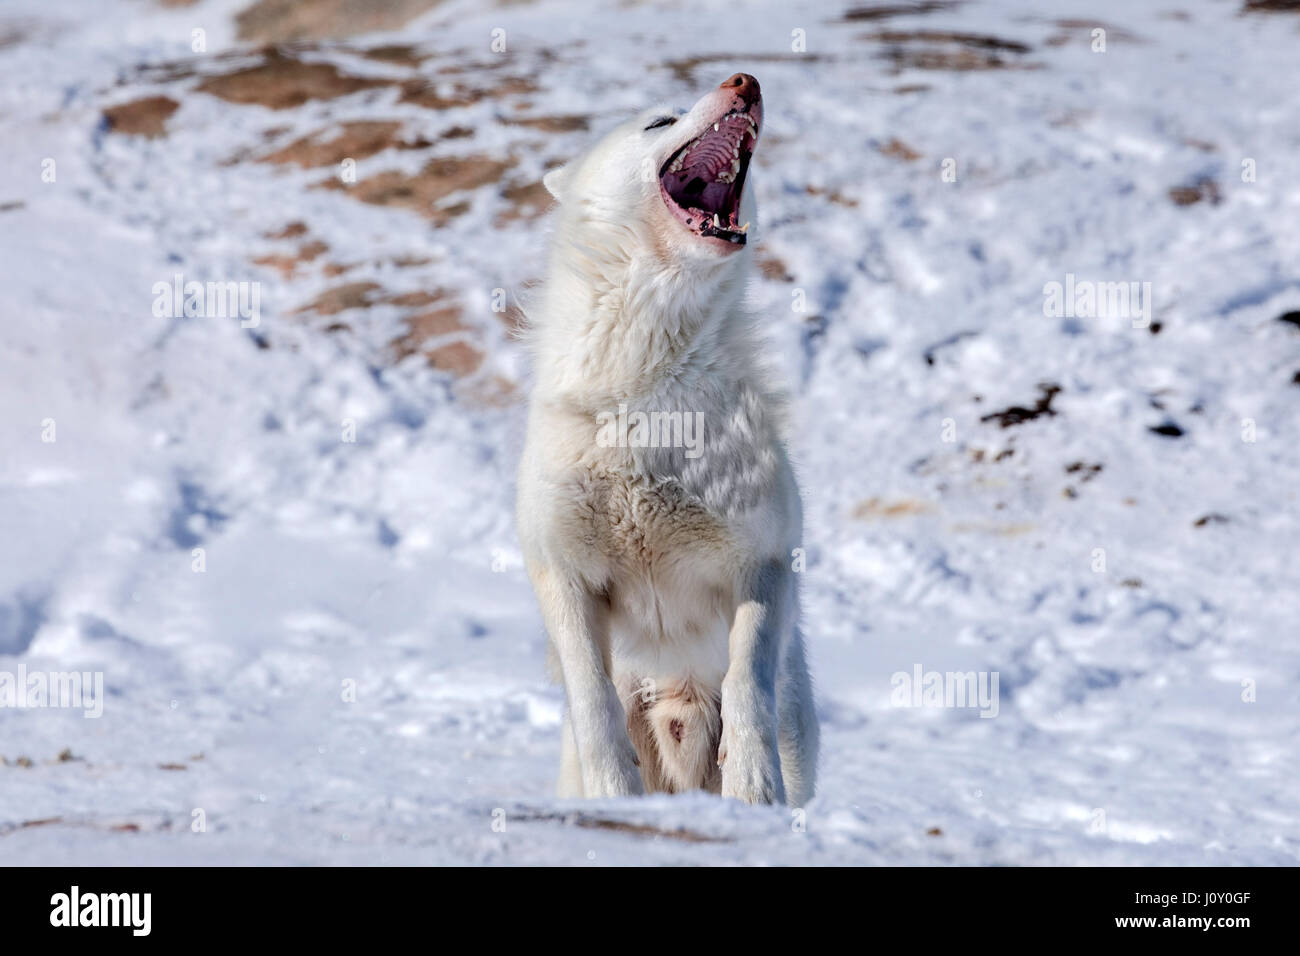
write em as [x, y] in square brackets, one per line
[555, 180]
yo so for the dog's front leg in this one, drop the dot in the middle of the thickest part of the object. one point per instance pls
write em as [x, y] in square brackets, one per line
[748, 755]
[579, 628]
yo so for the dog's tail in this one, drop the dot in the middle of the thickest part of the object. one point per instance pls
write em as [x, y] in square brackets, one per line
[676, 730]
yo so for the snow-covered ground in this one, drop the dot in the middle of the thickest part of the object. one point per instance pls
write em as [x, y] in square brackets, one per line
[355, 672]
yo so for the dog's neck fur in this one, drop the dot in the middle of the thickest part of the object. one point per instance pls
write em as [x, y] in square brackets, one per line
[623, 321]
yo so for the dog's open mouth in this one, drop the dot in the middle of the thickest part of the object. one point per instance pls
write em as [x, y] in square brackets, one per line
[703, 181]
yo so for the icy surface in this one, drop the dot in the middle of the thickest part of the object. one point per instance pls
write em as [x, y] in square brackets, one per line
[1143, 618]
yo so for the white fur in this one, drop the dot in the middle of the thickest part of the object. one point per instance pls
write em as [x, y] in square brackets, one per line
[664, 580]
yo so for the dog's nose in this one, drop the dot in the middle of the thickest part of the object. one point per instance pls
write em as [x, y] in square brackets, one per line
[743, 85]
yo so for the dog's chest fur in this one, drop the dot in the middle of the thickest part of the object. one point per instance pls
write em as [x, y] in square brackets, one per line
[669, 531]
[642, 524]
[648, 508]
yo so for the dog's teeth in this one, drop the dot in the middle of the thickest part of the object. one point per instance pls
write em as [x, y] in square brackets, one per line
[717, 223]
[744, 228]
[715, 127]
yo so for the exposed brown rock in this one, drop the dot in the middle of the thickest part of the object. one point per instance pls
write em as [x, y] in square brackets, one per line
[144, 117]
[276, 21]
[833, 195]
[897, 149]
[285, 265]
[1202, 188]
[353, 295]
[355, 140]
[282, 82]
[401, 54]
[416, 300]
[981, 41]
[292, 231]
[550, 124]
[422, 191]
[442, 96]
[527, 201]
[949, 50]
[458, 358]
[430, 324]
[886, 10]
[773, 268]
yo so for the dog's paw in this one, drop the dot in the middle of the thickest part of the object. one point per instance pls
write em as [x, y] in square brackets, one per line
[614, 785]
[614, 778]
[750, 771]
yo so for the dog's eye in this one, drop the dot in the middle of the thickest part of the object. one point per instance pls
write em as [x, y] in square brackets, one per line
[662, 121]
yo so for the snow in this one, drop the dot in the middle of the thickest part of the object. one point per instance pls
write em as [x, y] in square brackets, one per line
[357, 675]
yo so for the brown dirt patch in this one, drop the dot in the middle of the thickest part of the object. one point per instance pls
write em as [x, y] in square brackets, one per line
[1201, 189]
[833, 195]
[550, 124]
[441, 96]
[458, 357]
[949, 50]
[291, 231]
[144, 117]
[980, 41]
[283, 82]
[399, 54]
[275, 21]
[352, 295]
[527, 201]
[885, 11]
[897, 149]
[773, 268]
[424, 191]
[287, 265]
[415, 300]
[355, 140]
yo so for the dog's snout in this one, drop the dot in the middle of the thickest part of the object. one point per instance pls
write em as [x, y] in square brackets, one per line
[743, 85]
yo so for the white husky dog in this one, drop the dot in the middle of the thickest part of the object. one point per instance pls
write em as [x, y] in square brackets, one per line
[657, 509]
